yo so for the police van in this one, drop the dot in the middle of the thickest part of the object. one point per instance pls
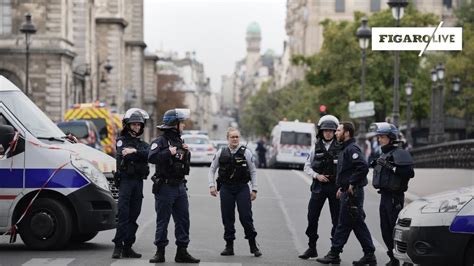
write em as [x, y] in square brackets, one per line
[437, 230]
[291, 143]
[51, 190]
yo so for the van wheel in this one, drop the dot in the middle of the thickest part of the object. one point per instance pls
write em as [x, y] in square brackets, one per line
[47, 225]
[469, 254]
[81, 238]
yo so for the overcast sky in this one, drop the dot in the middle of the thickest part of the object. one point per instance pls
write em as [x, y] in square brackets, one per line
[215, 29]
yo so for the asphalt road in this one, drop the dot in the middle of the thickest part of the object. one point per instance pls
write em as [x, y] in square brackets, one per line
[280, 220]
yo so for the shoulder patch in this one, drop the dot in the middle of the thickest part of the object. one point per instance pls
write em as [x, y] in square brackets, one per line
[355, 155]
[119, 143]
[153, 146]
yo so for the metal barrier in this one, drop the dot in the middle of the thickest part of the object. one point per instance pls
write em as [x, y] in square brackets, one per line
[454, 154]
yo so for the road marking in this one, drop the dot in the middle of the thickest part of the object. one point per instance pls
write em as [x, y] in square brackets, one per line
[289, 223]
[307, 180]
[48, 261]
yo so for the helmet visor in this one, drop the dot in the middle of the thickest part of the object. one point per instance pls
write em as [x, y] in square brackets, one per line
[130, 111]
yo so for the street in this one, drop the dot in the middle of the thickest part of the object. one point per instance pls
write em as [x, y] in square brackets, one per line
[279, 216]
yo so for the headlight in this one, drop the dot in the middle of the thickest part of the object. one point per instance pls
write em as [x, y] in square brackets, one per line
[91, 172]
[446, 205]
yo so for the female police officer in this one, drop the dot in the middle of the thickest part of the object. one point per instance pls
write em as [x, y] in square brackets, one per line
[132, 168]
[171, 157]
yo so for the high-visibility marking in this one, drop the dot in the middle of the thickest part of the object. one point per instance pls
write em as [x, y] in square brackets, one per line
[7, 197]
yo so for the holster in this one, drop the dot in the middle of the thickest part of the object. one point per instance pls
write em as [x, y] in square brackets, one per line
[157, 183]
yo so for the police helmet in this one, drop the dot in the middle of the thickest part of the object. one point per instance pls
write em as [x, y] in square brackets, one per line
[330, 118]
[384, 128]
[172, 117]
[135, 115]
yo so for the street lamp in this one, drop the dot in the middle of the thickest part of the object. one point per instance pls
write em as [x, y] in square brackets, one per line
[408, 92]
[363, 34]
[27, 28]
[398, 10]
[437, 104]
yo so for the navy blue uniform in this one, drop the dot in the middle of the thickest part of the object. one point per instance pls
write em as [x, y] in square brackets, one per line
[131, 170]
[171, 197]
[352, 170]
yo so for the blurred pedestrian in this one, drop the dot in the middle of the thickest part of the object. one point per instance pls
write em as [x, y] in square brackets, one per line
[262, 152]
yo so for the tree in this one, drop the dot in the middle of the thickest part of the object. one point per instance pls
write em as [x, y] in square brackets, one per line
[169, 96]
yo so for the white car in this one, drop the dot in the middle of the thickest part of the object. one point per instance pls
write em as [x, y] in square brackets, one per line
[202, 150]
[437, 230]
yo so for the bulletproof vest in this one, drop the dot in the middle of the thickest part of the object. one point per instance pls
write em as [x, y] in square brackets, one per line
[233, 168]
[133, 169]
[180, 161]
[386, 179]
[325, 161]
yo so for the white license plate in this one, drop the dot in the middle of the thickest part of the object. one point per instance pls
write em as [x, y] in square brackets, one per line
[398, 235]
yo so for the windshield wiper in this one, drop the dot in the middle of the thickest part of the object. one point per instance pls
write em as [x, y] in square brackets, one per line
[51, 139]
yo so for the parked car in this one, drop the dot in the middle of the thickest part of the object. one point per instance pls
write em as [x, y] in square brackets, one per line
[84, 130]
[202, 150]
[219, 144]
[437, 230]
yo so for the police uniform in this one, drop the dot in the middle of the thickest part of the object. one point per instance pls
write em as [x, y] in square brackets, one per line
[131, 170]
[352, 170]
[236, 170]
[170, 191]
[322, 160]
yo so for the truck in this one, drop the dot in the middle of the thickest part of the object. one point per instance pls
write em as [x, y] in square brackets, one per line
[52, 191]
[291, 143]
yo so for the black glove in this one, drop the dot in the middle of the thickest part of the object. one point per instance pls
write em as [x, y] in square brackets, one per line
[384, 163]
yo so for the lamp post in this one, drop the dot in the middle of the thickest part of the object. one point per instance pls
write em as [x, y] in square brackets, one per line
[433, 116]
[440, 72]
[408, 92]
[437, 104]
[363, 35]
[398, 10]
[27, 28]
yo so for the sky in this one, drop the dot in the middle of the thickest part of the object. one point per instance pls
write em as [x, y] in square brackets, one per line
[214, 29]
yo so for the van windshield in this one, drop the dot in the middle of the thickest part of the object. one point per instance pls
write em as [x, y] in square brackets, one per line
[32, 118]
[295, 138]
[77, 129]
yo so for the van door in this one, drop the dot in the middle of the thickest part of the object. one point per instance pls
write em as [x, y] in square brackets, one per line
[12, 169]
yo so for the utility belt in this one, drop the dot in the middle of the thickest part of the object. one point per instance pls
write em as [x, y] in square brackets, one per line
[225, 181]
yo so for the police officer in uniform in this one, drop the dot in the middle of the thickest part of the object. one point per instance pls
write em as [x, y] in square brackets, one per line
[171, 158]
[392, 170]
[352, 172]
[321, 167]
[132, 168]
[236, 169]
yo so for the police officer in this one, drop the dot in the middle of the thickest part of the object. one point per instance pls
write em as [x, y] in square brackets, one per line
[352, 172]
[392, 170]
[321, 167]
[132, 168]
[236, 169]
[171, 158]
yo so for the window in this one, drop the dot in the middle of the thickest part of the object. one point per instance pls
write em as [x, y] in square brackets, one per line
[5, 17]
[448, 3]
[374, 5]
[340, 5]
[295, 138]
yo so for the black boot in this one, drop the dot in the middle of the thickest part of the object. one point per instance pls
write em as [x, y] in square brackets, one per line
[367, 259]
[393, 261]
[331, 258]
[183, 256]
[229, 248]
[159, 256]
[128, 252]
[117, 254]
[253, 248]
[311, 252]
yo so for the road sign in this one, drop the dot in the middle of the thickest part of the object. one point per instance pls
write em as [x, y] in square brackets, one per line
[362, 109]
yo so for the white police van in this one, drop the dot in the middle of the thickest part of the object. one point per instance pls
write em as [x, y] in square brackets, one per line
[51, 191]
[437, 230]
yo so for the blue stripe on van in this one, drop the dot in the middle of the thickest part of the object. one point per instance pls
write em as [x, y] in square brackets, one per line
[463, 224]
[65, 178]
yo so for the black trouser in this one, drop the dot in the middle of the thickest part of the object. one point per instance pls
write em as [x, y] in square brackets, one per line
[230, 196]
[129, 207]
[315, 205]
[391, 204]
[262, 160]
[352, 220]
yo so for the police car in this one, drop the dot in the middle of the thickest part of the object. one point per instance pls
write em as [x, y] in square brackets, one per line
[51, 190]
[437, 230]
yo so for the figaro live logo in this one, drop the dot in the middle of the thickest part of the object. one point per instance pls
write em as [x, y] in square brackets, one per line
[417, 39]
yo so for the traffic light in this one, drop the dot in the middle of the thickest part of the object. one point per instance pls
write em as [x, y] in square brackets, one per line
[322, 110]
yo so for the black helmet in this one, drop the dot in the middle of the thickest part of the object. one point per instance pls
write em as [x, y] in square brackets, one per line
[328, 125]
[134, 115]
[385, 128]
[327, 122]
[172, 117]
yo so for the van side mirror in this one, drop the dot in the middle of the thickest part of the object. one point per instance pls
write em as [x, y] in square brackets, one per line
[6, 136]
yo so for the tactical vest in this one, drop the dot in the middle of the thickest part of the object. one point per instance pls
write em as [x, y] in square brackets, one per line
[325, 161]
[132, 169]
[179, 161]
[386, 179]
[233, 168]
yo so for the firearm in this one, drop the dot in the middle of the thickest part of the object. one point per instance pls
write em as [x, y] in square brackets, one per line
[384, 163]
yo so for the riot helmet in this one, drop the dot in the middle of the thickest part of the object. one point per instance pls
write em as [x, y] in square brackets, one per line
[134, 115]
[172, 117]
[384, 128]
[327, 122]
